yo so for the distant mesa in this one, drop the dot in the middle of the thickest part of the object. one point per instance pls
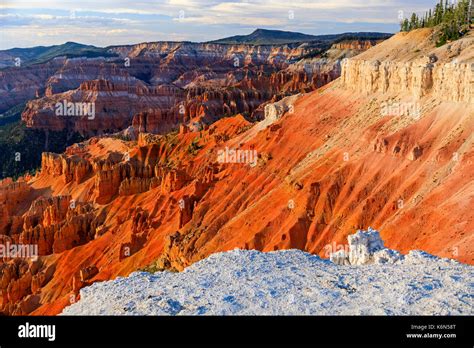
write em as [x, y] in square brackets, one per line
[278, 37]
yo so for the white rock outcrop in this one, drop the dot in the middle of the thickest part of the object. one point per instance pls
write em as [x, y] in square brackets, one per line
[274, 111]
[445, 81]
[365, 247]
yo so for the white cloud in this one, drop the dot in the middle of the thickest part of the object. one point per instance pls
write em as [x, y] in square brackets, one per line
[203, 20]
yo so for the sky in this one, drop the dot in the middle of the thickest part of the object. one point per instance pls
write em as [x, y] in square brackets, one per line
[117, 22]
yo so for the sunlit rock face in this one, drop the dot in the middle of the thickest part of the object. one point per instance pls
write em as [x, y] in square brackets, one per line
[411, 65]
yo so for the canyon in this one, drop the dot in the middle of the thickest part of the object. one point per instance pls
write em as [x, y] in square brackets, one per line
[147, 189]
[157, 86]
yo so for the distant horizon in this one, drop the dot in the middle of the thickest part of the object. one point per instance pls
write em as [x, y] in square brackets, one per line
[32, 23]
[141, 42]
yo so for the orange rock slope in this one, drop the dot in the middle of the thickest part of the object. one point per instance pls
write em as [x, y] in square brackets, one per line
[327, 163]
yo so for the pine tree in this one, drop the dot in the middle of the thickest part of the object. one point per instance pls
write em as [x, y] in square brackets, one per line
[413, 21]
[405, 25]
[439, 11]
[452, 19]
[470, 13]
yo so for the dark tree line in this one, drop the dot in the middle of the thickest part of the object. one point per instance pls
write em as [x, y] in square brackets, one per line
[453, 18]
[21, 147]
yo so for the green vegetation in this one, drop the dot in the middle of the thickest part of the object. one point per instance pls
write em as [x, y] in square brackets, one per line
[194, 147]
[279, 37]
[243, 129]
[267, 37]
[42, 54]
[319, 52]
[121, 136]
[159, 265]
[21, 147]
[12, 115]
[369, 36]
[453, 20]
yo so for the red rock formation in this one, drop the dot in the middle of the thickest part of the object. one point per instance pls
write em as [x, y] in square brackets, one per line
[19, 284]
[19, 85]
[88, 272]
[173, 181]
[158, 95]
[141, 227]
[12, 194]
[69, 168]
[110, 112]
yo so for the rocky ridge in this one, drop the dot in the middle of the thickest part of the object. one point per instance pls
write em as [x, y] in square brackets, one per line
[290, 282]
